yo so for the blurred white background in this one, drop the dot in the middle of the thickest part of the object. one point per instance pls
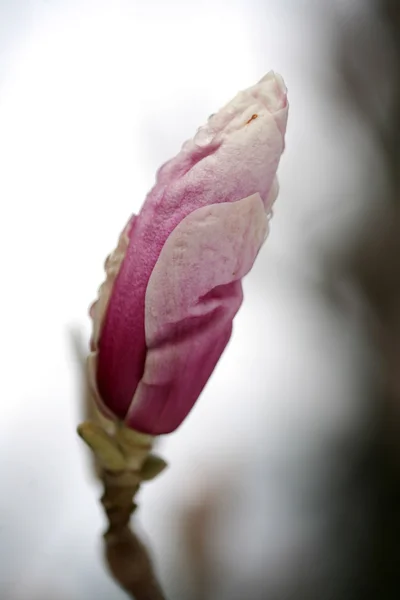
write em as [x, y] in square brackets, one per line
[94, 96]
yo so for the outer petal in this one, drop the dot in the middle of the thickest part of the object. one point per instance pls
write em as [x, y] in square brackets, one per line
[192, 296]
[98, 312]
[112, 266]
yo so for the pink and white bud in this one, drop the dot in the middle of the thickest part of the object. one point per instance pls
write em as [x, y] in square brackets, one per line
[164, 314]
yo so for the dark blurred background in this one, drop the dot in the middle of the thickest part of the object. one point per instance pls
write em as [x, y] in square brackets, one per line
[284, 481]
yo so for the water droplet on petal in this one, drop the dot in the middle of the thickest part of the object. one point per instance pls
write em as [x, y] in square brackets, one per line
[203, 137]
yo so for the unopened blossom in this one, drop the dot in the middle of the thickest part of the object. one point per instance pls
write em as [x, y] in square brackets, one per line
[174, 283]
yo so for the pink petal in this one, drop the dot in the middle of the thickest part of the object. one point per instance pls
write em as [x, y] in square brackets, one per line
[192, 296]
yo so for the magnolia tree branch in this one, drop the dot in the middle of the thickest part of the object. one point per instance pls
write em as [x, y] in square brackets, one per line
[127, 558]
[130, 564]
[125, 461]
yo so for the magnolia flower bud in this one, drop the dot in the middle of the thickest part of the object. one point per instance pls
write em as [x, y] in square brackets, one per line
[164, 314]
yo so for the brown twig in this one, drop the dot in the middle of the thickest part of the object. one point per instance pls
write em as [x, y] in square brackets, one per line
[127, 558]
[125, 460]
